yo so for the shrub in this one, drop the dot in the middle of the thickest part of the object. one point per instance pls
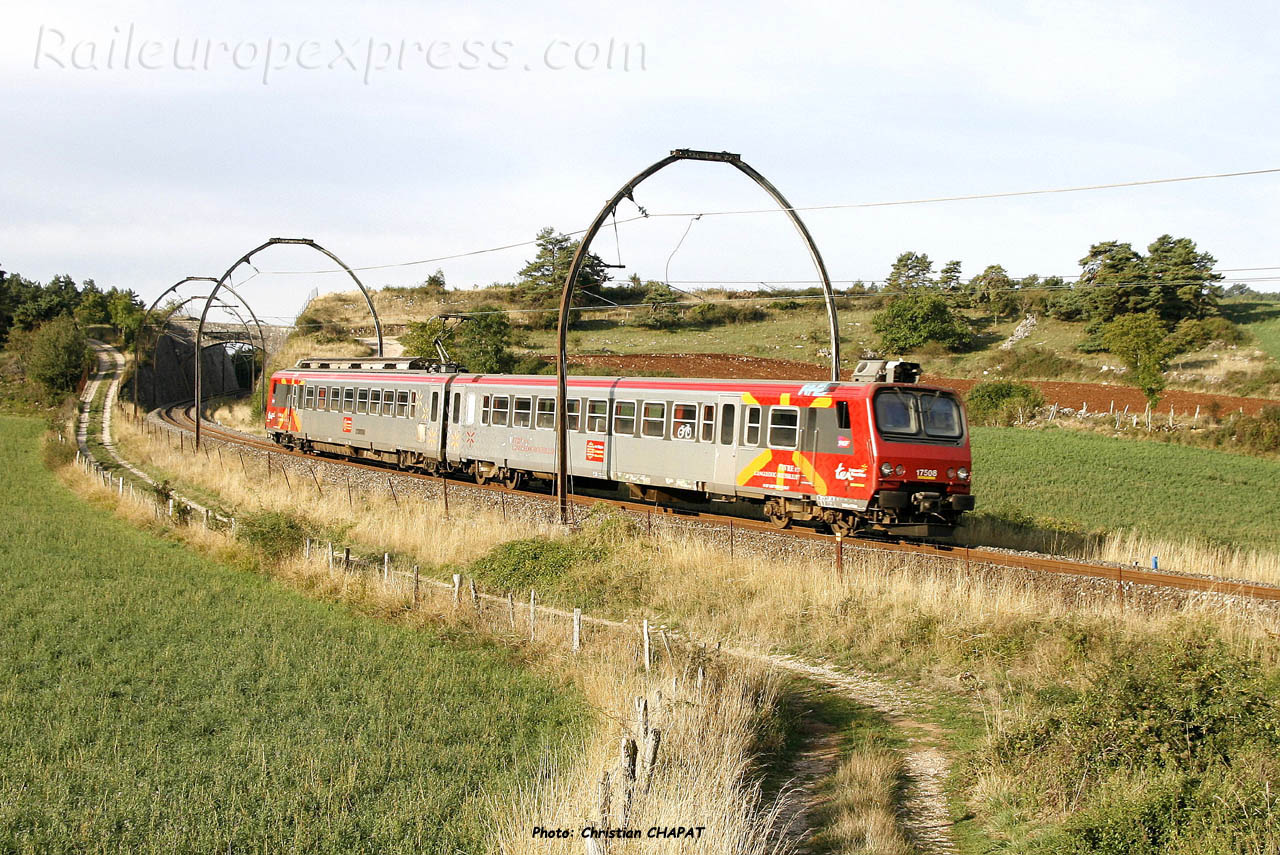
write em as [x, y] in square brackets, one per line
[1193, 334]
[275, 534]
[1034, 362]
[1185, 706]
[519, 565]
[913, 319]
[1001, 403]
[56, 355]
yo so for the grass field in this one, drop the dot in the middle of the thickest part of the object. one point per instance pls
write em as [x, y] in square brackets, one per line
[1095, 483]
[152, 700]
[1262, 318]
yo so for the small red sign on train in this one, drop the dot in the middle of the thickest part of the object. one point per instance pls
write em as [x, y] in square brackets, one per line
[595, 451]
[346, 424]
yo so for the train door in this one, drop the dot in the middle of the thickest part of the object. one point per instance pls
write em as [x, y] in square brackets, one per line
[725, 467]
[430, 423]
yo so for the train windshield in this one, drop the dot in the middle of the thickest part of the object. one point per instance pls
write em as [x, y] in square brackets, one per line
[911, 413]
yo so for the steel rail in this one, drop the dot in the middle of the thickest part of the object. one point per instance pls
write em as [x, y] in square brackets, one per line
[966, 555]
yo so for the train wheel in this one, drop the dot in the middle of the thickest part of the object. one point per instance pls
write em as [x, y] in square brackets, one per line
[780, 519]
[513, 480]
[481, 477]
[845, 526]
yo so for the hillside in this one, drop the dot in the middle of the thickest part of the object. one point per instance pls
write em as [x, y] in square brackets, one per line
[796, 331]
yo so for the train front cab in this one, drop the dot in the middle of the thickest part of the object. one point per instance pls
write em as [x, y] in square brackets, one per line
[920, 460]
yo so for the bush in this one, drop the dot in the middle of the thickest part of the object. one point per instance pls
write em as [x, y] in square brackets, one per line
[275, 534]
[1002, 403]
[1185, 706]
[913, 319]
[519, 565]
[1034, 362]
[1198, 333]
[56, 355]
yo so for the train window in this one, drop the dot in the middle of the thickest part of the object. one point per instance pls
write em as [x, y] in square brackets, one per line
[349, 399]
[842, 415]
[894, 412]
[435, 406]
[684, 420]
[784, 427]
[624, 418]
[501, 408]
[308, 397]
[654, 419]
[726, 424]
[321, 398]
[572, 407]
[522, 414]
[941, 416]
[388, 402]
[455, 414]
[546, 413]
[413, 405]
[484, 410]
[402, 403]
[362, 401]
[597, 415]
[708, 422]
[751, 427]
[335, 398]
[375, 401]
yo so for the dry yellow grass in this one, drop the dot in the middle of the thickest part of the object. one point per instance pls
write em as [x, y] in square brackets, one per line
[861, 817]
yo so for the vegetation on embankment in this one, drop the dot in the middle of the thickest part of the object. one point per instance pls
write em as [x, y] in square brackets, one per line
[157, 701]
[994, 655]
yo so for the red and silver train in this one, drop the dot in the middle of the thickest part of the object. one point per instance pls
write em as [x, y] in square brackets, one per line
[879, 453]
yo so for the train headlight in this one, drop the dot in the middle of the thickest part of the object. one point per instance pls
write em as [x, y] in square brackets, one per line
[899, 470]
[886, 469]
[951, 473]
[963, 473]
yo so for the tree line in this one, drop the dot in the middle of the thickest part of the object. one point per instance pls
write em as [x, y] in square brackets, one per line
[43, 325]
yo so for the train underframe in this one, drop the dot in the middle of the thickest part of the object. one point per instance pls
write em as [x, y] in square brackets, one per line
[918, 512]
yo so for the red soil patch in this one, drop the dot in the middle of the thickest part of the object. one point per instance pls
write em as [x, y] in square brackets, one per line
[1099, 396]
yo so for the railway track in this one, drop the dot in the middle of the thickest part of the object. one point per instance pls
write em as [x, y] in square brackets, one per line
[180, 416]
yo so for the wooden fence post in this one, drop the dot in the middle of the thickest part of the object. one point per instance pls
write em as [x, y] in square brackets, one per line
[475, 598]
[415, 586]
[457, 588]
[511, 609]
[306, 550]
[331, 555]
[316, 480]
[532, 613]
[648, 653]
[839, 552]
[386, 566]
[577, 630]
[346, 558]
[651, 757]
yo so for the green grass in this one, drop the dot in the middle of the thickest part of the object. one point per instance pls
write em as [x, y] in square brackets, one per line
[153, 700]
[1095, 483]
[1260, 317]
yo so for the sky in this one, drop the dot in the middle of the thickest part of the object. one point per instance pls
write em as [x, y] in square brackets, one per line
[145, 143]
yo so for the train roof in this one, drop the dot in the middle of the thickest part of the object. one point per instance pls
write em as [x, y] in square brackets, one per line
[341, 371]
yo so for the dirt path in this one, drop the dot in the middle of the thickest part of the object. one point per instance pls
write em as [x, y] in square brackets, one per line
[927, 817]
